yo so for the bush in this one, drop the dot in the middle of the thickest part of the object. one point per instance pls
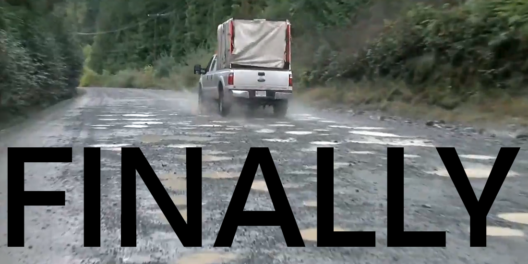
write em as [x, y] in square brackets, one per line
[481, 44]
[39, 61]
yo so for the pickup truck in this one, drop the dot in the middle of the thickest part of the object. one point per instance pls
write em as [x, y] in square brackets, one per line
[252, 70]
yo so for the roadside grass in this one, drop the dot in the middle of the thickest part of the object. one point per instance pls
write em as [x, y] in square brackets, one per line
[494, 108]
[166, 74]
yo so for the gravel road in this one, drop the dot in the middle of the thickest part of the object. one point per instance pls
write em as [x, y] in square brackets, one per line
[164, 123]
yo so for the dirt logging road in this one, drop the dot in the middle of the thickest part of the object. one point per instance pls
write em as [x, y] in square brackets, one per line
[164, 123]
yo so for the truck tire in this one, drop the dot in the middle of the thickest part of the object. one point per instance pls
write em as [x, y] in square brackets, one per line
[280, 109]
[224, 108]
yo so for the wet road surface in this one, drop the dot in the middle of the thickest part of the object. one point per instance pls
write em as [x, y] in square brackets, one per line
[164, 123]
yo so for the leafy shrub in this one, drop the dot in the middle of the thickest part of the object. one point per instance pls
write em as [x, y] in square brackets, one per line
[481, 44]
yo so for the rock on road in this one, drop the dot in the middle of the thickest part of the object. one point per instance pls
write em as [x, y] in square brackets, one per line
[164, 123]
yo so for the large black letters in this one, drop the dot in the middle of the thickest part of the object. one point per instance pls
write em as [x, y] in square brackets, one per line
[478, 209]
[190, 233]
[236, 216]
[17, 198]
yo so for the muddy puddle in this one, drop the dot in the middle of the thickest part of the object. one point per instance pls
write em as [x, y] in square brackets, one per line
[149, 139]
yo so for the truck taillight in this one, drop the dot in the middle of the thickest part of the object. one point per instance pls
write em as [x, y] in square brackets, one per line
[291, 81]
[231, 79]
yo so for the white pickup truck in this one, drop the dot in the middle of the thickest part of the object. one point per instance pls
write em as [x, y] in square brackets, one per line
[252, 66]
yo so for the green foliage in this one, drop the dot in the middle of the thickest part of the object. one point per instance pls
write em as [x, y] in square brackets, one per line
[40, 62]
[480, 44]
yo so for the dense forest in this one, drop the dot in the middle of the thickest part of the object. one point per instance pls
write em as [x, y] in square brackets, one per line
[442, 52]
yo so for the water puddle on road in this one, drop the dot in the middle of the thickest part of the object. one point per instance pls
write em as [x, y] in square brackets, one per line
[221, 175]
[179, 200]
[394, 142]
[324, 143]
[369, 128]
[260, 185]
[225, 132]
[372, 133]
[175, 184]
[337, 165]
[136, 126]
[286, 140]
[497, 231]
[477, 157]
[209, 257]
[141, 119]
[147, 123]
[300, 133]
[362, 152]
[208, 158]
[100, 128]
[281, 125]
[110, 147]
[311, 233]
[310, 203]
[347, 127]
[164, 220]
[519, 218]
[108, 119]
[138, 115]
[322, 130]
[472, 171]
[265, 131]
[191, 138]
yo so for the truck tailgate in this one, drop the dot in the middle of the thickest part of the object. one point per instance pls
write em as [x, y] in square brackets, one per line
[261, 79]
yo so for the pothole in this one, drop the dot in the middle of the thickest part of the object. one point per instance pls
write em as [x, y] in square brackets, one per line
[520, 218]
[110, 147]
[497, 231]
[311, 233]
[136, 126]
[282, 125]
[191, 138]
[324, 143]
[181, 146]
[310, 203]
[393, 142]
[300, 133]
[142, 119]
[221, 175]
[207, 158]
[138, 115]
[225, 132]
[287, 140]
[337, 165]
[373, 133]
[207, 258]
[477, 157]
[147, 123]
[165, 221]
[175, 184]
[179, 200]
[480, 172]
[362, 152]
[369, 128]
[265, 131]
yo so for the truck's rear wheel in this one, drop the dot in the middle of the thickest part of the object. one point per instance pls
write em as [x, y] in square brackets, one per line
[224, 108]
[280, 108]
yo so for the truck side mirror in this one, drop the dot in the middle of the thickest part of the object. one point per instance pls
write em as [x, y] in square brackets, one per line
[198, 69]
